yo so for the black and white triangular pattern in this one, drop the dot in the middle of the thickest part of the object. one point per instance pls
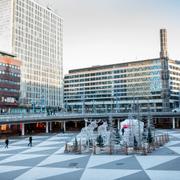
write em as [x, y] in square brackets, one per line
[46, 160]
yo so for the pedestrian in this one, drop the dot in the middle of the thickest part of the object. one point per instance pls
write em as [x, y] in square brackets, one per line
[30, 141]
[6, 143]
[122, 131]
[135, 142]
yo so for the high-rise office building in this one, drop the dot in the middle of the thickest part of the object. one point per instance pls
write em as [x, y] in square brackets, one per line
[34, 34]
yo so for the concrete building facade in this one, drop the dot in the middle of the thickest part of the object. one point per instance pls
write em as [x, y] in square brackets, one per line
[9, 82]
[152, 84]
[35, 35]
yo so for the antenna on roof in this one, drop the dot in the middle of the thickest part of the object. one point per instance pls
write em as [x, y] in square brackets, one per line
[49, 7]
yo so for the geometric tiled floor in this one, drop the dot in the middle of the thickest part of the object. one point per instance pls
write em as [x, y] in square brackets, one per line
[46, 160]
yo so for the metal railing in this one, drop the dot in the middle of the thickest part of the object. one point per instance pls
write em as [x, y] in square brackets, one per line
[66, 115]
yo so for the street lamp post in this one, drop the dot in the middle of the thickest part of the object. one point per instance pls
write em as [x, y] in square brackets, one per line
[33, 105]
[42, 104]
[93, 107]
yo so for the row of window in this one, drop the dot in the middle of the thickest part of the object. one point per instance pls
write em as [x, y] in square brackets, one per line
[10, 74]
[174, 73]
[116, 92]
[9, 82]
[150, 73]
[147, 80]
[9, 65]
[110, 98]
[8, 90]
[115, 77]
[30, 5]
[174, 67]
[128, 70]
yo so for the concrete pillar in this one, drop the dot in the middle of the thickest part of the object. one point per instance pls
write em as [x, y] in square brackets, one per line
[22, 130]
[173, 123]
[155, 121]
[118, 122]
[76, 124]
[47, 127]
[177, 123]
[111, 120]
[85, 123]
[50, 126]
[64, 126]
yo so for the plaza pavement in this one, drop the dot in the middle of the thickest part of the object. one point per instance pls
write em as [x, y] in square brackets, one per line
[46, 160]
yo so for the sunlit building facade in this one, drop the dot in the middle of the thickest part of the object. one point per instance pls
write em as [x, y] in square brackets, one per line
[34, 34]
[117, 87]
[152, 85]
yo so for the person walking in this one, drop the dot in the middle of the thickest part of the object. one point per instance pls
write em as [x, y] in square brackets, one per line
[6, 143]
[122, 131]
[30, 141]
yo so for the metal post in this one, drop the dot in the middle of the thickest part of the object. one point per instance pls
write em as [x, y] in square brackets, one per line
[173, 123]
[118, 121]
[64, 126]
[139, 132]
[85, 122]
[83, 107]
[177, 123]
[23, 130]
[75, 124]
[117, 107]
[33, 103]
[93, 107]
[50, 123]
[83, 101]
[47, 127]
[41, 105]
[155, 121]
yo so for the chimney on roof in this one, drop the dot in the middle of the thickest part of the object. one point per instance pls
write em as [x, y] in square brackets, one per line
[163, 43]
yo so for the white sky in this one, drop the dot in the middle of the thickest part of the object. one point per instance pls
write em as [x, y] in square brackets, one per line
[98, 32]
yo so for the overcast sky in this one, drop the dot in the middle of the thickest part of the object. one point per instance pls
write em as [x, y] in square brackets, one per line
[98, 32]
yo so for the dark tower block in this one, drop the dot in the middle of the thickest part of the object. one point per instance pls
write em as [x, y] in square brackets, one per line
[165, 71]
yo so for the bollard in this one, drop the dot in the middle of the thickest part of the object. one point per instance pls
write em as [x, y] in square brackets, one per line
[94, 149]
[160, 141]
[144, 150]
[167, 137]
[149, 148]
[126, 149]
[157, 145]
[66, 148]
[153, 146]
[80, 148]
[163, 138]
[110, 149]
[156, 142]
